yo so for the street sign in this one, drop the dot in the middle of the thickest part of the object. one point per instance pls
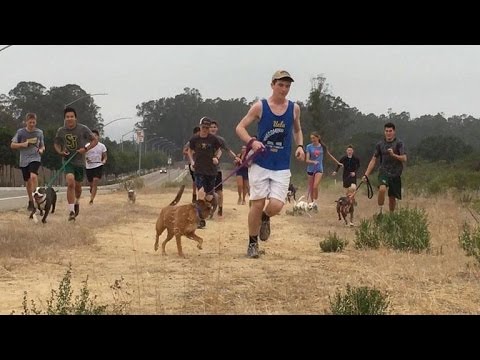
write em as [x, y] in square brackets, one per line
[139, 136]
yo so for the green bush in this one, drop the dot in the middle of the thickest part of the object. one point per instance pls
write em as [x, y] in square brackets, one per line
[404, 229]
[333, 243]
[359, 301]
[470, 241]
[366, 236]
[61, 301]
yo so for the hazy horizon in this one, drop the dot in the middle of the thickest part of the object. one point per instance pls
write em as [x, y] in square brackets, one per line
[413, 78]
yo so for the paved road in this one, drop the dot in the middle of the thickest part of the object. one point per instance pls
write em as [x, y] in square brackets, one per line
[15, 198]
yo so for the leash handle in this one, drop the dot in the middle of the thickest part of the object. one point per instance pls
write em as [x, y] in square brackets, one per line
[369, 187]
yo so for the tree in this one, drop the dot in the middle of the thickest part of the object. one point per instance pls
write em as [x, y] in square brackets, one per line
[448, 148]
[327, 113]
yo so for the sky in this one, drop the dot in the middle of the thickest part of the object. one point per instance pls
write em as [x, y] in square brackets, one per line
[419, 79]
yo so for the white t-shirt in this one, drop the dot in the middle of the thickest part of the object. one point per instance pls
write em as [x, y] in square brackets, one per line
[93, 157]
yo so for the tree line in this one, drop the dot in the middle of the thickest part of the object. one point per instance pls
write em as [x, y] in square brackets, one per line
[173, 118]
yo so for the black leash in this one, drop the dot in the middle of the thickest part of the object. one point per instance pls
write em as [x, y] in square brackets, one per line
[369, 187]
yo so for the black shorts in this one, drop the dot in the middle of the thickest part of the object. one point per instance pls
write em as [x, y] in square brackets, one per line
[205, 181]
[94, 173]
[349, 181]
[243, 172]
[394, 185]
[218, 182]
[30, 168]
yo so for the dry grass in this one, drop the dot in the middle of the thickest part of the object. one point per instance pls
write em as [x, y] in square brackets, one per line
[293, 277]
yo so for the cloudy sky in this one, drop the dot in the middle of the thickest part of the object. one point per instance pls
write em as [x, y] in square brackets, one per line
[418, 79]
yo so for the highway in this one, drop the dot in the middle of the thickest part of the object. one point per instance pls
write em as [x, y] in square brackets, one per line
[13, 198]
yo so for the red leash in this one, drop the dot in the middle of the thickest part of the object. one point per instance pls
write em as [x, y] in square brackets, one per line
[244, 163]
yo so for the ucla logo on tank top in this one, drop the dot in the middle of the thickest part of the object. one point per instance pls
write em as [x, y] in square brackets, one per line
[275, 138]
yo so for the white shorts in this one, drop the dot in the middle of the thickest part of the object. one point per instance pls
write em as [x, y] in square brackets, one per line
[266, 183]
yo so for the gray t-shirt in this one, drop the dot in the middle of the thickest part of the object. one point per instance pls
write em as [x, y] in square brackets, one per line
[35, 141]
[74, 139]
[390, 166]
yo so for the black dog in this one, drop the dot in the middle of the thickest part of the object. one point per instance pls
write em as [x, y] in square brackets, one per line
[45, 199]
[292, 193]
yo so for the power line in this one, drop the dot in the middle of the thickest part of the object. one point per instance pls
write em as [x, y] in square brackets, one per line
[5, 47]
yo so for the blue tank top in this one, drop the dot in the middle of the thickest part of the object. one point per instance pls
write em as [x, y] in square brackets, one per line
[275, 132]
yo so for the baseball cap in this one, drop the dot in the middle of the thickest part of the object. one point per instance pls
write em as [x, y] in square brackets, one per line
[205, 121]
[281, 74]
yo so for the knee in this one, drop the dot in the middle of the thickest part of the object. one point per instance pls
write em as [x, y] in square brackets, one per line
[274, 209]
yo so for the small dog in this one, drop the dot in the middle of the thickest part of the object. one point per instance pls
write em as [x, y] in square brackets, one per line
[132, 196]
[292, 193]
[44, 199]
[302, 207]
[346, 205]
[182, 220]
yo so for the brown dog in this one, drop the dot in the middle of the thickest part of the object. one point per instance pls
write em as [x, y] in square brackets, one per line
[345, 207]
[182, 220]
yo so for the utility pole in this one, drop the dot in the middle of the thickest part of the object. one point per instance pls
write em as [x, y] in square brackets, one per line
[140, 138]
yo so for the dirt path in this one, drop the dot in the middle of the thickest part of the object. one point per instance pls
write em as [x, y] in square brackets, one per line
[293, 277]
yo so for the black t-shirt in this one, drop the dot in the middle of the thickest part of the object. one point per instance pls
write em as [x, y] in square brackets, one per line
[349, 165]
[205, 149]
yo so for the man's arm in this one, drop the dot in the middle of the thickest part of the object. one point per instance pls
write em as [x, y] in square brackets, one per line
[334, 159]
[227, 149]
[402, 158]
[297, 133]
[341, 161]
[371, 166]
[190, 152]
[255, 113]
[18, 145]
[15, 145]
[185, 149]
[91, 145]
[104, 157]
[58, 144]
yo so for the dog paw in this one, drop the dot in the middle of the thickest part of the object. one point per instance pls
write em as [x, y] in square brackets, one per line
[199, 246]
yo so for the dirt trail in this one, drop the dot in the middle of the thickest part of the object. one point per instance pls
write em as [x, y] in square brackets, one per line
[293, 277]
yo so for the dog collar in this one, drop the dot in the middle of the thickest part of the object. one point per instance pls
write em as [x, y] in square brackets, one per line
[43, 198]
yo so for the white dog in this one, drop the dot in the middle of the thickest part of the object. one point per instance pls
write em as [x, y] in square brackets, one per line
[303, 207]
